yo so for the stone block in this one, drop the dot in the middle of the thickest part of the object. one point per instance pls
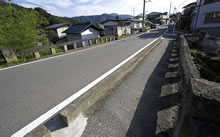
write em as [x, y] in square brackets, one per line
[90, 42]
[65, 48]
[96, 41]
[74, 45]
[204, 100]
[41, 131]
[83, 43]
[70, 113]
[37, 54]
[101, 40]
[9, 55]
[53, 51]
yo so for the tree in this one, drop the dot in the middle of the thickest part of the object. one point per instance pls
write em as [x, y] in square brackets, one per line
[21, 29]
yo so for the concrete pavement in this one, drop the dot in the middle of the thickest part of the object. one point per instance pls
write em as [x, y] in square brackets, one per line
[138, 107]
[31, 90]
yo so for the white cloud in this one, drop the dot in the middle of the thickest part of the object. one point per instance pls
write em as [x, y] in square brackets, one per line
[53, 10]
[91, 10]
[72, 8]
[59, 3]
[96, 2]
[28, 5]
[83, 1]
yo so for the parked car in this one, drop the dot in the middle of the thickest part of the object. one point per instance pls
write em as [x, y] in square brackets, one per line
[153, 26]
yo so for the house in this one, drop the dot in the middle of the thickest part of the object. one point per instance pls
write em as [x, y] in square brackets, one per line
[206, 16]
[57, 32]
[140, 17]
[82, 32]
[117, 27]
[136, 25]
[188, 9]
[158, 18]
[186, 17]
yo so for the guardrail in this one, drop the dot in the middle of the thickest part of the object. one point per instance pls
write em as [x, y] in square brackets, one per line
[73, 44]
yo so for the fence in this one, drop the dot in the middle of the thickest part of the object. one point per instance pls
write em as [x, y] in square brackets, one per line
[65, 46]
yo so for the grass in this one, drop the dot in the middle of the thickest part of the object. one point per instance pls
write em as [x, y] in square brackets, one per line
[207, 66]
[123, 36]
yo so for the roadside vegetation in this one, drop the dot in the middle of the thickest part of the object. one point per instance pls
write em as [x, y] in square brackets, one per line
[23, 28]
[207, 65]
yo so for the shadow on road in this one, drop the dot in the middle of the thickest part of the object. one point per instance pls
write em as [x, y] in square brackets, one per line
[153, 34]
[145, 120]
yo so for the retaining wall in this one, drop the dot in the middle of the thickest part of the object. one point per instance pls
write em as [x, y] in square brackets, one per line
[199, 114]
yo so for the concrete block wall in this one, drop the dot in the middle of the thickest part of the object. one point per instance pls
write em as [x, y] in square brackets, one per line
[199, 112]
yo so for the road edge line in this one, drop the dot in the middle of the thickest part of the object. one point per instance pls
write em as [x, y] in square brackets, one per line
[52, 112]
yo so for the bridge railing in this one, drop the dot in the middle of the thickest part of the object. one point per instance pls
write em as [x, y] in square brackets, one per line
[12, 57]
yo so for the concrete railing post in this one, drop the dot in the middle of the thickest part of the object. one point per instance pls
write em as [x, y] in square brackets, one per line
[65, 48]
[90, 42]
[83, 43]
[53, 51]
[9, 55]
[96, 41]
[101, 40]
[106, 39]
[37, 54]
[74, 45]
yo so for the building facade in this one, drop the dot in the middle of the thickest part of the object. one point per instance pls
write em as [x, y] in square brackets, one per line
[206, 16]
[82, 32]
[117, 27]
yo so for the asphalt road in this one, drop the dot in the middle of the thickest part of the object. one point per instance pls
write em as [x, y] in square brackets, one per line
[28, 91]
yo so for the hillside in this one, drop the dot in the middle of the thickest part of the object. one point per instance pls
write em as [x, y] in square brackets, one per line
[54, 19]
[100, 18]
[23, 28]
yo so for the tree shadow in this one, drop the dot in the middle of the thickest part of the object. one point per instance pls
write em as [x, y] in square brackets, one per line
[144, 122]
[153, 34]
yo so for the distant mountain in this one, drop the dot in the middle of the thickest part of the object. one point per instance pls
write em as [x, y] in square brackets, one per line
[100, 18]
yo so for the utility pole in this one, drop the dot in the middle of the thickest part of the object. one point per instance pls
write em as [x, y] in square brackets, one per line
[133, 11]
[170, 10]
[143, 23]
[197, 16]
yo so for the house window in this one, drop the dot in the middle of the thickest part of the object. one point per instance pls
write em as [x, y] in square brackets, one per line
[210, 1]
[212, 17]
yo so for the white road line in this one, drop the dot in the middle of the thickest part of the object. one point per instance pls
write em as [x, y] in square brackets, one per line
[40, 120]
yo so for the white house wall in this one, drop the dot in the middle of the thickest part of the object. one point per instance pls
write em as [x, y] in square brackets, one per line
[124, 30]
[90, 33]
[60, 30]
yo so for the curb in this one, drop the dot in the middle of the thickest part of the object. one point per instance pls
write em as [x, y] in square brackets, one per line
[92, 99]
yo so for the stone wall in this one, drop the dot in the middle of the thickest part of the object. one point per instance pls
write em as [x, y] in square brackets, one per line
[199, 114]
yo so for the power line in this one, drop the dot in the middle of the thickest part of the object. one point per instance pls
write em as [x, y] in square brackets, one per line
[182, 4]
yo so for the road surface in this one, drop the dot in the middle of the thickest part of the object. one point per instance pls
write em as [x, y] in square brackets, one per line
[28, 91]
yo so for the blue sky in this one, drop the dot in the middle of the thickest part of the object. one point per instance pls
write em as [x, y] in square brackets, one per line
[71, 8]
